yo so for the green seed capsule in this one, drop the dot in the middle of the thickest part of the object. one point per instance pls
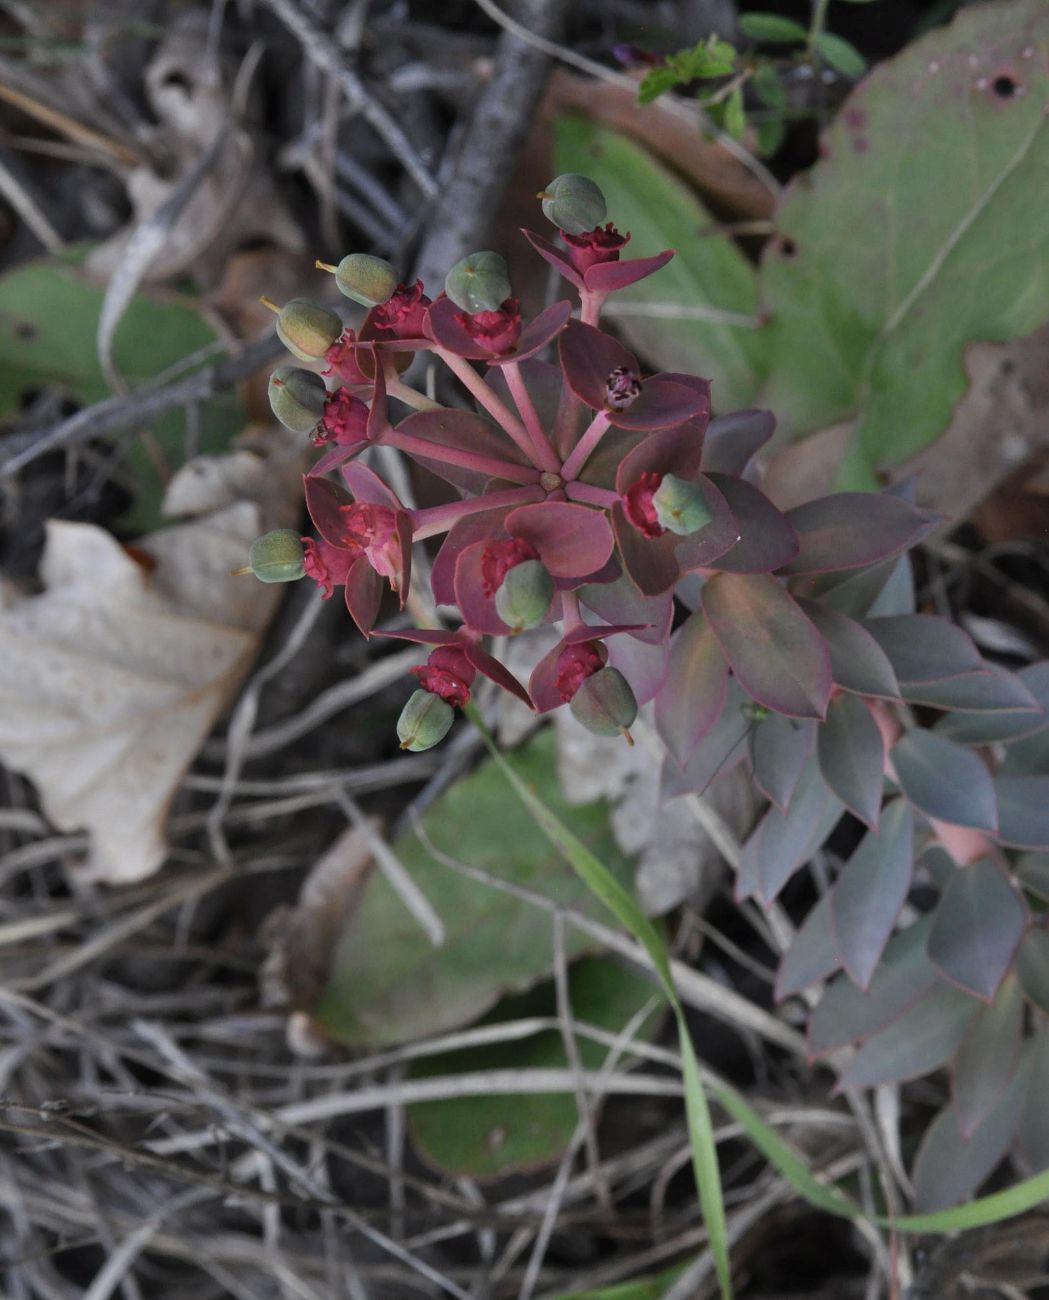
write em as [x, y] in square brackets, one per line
[297, 398]
[605, 703]
[574, 203]
[366, 279]
[277, 556]
[524, 596]
[480, 282]
[307, 329]
[680, 507]
[425, 721]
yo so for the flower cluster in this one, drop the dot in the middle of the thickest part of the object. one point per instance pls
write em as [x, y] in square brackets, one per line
[588, 491]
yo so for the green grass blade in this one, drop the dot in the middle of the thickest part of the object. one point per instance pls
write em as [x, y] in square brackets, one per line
[629, 914]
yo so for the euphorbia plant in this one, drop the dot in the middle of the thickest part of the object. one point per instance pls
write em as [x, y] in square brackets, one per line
[610, 503]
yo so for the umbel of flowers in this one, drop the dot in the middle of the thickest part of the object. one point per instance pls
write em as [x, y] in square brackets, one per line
[587, 491]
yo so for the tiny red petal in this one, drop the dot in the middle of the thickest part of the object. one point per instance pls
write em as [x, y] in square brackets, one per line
[342, 359]
[639, 506]
[575, 664]
[496, 331]
[345, 420]
[602, 244]
[499, 558]
[327, 565]
[449, 674]
[404, 314]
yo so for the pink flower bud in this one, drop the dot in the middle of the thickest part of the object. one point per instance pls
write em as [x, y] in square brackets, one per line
[499, 558]
[345, 420]
[404, 314]
[447, 673]
[639, 506]
[575, 664]
[602, 244]
[327, 565]
[495, 331]
[622, 389]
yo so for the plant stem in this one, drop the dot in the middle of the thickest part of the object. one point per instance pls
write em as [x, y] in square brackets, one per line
[493, 466]
[543, 451]
[604, 498]
[570, 614]
[591, 302]
[819, 18]
[586, 445]
[438, 519]
[486, 397]
[410, 396]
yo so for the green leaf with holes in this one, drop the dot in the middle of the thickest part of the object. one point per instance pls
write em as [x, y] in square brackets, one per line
[921, 230]
[48, 321]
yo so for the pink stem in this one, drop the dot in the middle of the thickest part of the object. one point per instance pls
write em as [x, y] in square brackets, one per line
[545, 456]
[586, 444]
[604, 498]
[570, 614]
[493, 466]
[410, 396]
[491, 401]
[438, 519]
[592, 303]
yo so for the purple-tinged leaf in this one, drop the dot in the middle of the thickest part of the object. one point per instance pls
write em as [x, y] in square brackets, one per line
[1030, 684]
[852, 529]
[992, 690]
[733, 440]
[461, 431]
[606, 277]
[572, 540]
[1032, 871]
[939, 864]
[363, 594]
[537, 334]
[779, 749]
[782, 842]
[1032, 1136]
[555, 257]
[335, 457]
[670, 451]
[811, 957]
[848, 1015]
[367, 486]
[897, 596]
[401, 582]
[721, 750]
[484, 525]
[693, 692]
[766, 541]
[857, 661]
[1032, 966]
[588, 357]
[945, 781]
[775, 651]
[925, 647]
[977, 927]
[477, 609]
[855, 592]
[661, 404]
[1023, 811]
[923, 1038]
[325, 501]
[852, 757]
[948, 1167]
[987, 1058]
[868, 895]
[643, 664]
[621, 602]
[655, 564]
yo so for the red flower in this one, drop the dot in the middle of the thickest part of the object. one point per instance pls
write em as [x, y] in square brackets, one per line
[602, 244]
[499, 558]
[345, 420]
[342, 360]
[495, 331]
[575, 664]
[639, 507]
[447, 673]
[328, 565]
[403, 315]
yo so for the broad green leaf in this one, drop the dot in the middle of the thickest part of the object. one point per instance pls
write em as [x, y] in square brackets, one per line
[48, 320]
[950, 1165]
[1023, 811]
[693, 692]
[1032, 871]
[857, 661]
[387, 984]
[812, 956]
[919, 231]
[977, 927]
[987, 1058]
[708, 273]
[779, 657]
[1032, 1137]
[1032, 966]
[851, 756]
[924, 648]
[779, 749]
[720, 750]
[489, 1137]
[871, 890]
[944, 780]
[771, 28]
[783, 841]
